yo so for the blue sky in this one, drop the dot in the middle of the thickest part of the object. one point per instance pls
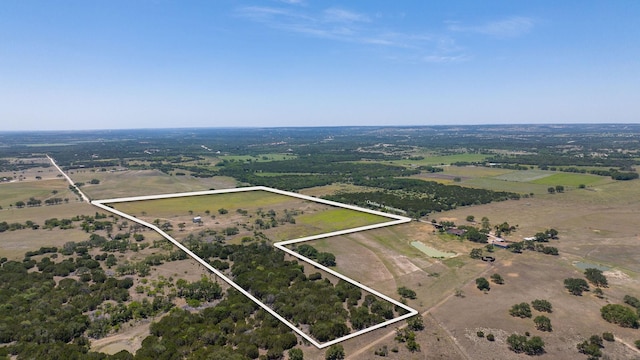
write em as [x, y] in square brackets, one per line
[159, 63]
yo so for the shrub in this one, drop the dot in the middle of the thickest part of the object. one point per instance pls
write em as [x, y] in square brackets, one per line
[522, 310]
[619, 314]
[542, 305]
[608, 336]
[483, 284]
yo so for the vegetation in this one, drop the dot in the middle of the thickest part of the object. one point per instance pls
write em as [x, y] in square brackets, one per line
[522, 344]
[576, 286]
[483, 284]
[522, 310]
[620, 314]
[542, 322]
[542, 305]
[596, 277]
[497, 278]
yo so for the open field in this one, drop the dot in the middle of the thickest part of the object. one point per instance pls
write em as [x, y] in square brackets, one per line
[430, 159]
[12, 192]
[504, 185]
[143, 182]
[571, 179]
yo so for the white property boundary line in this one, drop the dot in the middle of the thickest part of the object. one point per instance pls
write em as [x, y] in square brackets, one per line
[279, 245]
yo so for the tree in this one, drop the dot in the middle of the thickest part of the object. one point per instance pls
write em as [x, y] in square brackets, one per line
[476, 253]
[551, 190]
[222, 211]
[483, 284]
[620, 314]
[496, 278]
[542, 323]
[471, 218]
[406, 293]
[596, 277]
[326, 259]
[334, 352]
[559, 188]
[520, 344]
[520, 310]
[486, 225]
[542, 305]
[576, 286]
[415, 323]
[296, 354]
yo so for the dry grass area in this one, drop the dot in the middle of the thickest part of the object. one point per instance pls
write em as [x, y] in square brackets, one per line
[144, 182]
[595, 225]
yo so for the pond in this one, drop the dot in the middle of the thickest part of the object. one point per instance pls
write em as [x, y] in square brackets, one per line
[431, 251]
[585, 265]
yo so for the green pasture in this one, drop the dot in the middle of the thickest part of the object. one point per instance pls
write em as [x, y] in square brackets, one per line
[339, 219]
[12, 192]
[474, 171]
[571, 179]
[524, 175]
[504, 185]
[199, 204]
[442, 159]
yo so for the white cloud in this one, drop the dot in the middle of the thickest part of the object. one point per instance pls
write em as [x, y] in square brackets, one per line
[511, 27]
[346, 16]
[349, 26]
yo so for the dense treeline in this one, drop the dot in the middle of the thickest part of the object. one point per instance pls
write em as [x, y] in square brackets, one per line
[419, 198]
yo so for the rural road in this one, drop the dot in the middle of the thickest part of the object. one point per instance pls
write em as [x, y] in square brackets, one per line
[84, 197]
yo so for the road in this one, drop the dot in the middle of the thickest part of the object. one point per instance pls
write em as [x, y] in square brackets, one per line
[82, 195]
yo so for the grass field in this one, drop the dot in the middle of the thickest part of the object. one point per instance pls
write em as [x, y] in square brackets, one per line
[430, 159]
[165, 208]
[338, 219]
[504, 185]
[524, 175]
[144, 182]
[10, 193]
[571, 179]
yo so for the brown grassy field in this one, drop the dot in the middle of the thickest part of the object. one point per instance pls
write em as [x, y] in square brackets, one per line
[144, 182]
[595, 225]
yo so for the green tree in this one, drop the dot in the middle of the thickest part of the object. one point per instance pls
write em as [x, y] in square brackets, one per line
[471, 218]
[415, 323]
[486, 225]
[296, 354]
[483, 284]
[620, 314]
[522, 310]
[496, 278]
[551, 190]
[542, 305]
[476, 253]
[542, 323]
[334, 352]
[576, 286]
[559, 188]
[406, 293]
[596, 277]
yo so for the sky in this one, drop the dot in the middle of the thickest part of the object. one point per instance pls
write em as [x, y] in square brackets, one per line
[114, 64]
